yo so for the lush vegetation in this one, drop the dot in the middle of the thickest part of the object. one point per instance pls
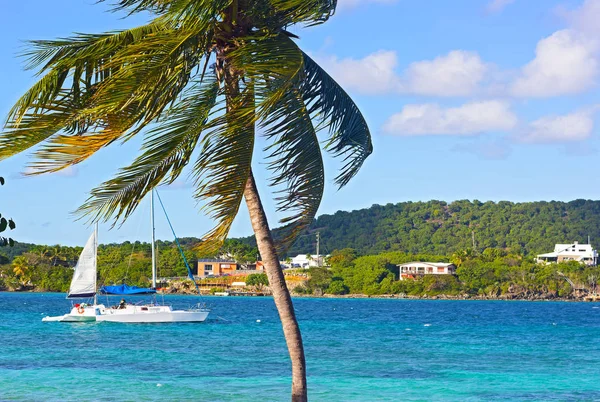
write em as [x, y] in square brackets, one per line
[49, 268]
[493, 273]
[506, 235]
[437, 227]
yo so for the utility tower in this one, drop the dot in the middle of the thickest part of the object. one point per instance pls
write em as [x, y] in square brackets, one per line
[318, 256]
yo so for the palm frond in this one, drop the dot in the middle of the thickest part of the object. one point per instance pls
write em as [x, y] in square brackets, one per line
[275, 63]
[350, 137]
[168, 149]
[38, 125]
[266, 59]
[307, 12]
[80, 58]
[224, 165]
[296, 162]
[69, 52]
[149, 75]
[62, 151]
[176, 9]
[143, 73]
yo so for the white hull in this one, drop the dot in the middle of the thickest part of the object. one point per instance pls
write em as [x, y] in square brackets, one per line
[78, 314]
[150, 314]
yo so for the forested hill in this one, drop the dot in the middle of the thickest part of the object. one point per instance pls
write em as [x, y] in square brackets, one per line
[441, 228]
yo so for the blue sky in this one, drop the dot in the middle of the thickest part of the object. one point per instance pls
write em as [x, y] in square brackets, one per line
[469, 99]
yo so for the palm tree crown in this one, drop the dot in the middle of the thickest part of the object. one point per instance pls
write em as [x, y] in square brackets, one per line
[177, 76]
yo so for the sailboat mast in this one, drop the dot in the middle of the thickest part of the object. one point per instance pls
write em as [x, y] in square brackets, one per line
[153, 240]
[96, 263]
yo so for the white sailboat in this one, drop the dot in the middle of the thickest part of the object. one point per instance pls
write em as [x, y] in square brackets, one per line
[84, 285]
[148, 313]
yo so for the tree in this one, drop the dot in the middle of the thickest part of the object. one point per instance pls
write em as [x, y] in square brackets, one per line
[98, 89]
[21, 268]
[257, 280]
[342, 258]
[4, 224]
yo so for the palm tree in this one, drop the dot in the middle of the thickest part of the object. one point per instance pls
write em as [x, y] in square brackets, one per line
[201, 77]
[20, 268]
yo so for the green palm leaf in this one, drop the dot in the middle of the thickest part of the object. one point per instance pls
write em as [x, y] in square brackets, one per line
[224, 165]
[296, 162]
[175, 8]
[309, 12]
[38, 125]
[168, 149]
[350, 136]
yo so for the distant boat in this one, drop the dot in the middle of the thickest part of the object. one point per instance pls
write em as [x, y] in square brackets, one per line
[83, 285]
[221, 293]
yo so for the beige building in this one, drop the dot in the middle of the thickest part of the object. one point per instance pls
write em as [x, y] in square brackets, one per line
[414, 270]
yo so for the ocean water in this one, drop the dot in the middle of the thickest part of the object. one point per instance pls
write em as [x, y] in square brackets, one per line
[356, 350]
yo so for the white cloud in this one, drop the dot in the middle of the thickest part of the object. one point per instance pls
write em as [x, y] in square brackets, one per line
[458, 73]
[585, 18]
[564, 64]
[469, 119]
[496, 6]
[348, 4]
[373, 74]
[577, 126]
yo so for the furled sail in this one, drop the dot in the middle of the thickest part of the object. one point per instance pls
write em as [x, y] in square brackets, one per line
[84, 278]
[125, 289]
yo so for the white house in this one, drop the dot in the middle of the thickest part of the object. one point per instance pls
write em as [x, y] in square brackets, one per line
[302, 261]
[413, 270]
[583, 253]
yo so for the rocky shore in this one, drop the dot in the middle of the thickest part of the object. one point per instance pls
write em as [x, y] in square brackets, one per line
[516, 294]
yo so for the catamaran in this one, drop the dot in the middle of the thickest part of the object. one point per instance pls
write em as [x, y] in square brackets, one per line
[84, 285]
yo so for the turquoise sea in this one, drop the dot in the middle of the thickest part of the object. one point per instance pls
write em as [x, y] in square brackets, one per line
[356, 349]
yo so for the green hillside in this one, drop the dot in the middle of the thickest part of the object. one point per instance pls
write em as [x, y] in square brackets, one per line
[437, 227]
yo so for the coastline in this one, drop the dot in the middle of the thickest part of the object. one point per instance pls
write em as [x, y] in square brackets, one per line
[465, 297]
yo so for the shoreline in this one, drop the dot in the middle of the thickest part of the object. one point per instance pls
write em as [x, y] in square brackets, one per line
[447, 297]
[530, 298]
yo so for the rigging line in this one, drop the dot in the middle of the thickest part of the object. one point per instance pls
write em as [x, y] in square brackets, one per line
[133, 248]
[190, 274]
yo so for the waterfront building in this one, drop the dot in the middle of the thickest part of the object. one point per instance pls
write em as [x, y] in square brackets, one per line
[583, 253]
[414, 270]
[216, 267]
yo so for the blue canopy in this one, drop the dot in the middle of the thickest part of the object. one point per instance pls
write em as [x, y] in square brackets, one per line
[125, 290]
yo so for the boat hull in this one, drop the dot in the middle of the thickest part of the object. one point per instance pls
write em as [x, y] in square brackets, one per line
[151, 314]
[78, 314]
[69, 318]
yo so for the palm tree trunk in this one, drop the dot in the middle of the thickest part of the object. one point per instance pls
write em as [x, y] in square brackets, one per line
[281, 294]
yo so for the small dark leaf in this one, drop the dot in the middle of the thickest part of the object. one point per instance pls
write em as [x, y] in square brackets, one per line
[11, 242]
[11, 224]
[1, 181]
[3, 224]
